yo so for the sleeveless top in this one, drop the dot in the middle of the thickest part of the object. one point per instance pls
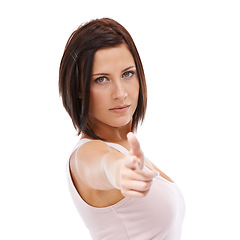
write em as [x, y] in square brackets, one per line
[157, 216]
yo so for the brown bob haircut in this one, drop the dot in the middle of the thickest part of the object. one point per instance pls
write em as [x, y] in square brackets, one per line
[76, 70]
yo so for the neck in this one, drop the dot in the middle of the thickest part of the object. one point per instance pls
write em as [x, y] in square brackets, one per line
[111, 134]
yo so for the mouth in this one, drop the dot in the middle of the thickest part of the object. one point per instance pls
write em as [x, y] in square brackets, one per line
[120, 109]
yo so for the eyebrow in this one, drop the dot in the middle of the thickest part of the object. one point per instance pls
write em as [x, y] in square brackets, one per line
[109, 74]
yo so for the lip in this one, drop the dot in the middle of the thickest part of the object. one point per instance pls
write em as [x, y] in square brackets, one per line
[120, 108]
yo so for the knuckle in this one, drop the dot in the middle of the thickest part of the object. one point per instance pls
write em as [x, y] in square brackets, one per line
[144, 185]
[145, 193]
[148, 185]
[150, 175]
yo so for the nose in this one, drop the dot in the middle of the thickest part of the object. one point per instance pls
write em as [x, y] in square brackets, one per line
[119, 91]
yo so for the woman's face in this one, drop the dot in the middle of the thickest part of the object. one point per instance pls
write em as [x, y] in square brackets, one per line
[114, 87]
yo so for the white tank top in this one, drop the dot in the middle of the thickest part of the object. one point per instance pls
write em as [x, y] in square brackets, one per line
[157, 216]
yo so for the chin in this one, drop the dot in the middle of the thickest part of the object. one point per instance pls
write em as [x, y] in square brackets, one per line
[120, 123]
[112, 122]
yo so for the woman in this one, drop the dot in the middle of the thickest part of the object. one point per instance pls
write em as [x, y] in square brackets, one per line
[118, 192]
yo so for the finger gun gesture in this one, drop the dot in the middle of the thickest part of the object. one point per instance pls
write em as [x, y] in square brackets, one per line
[135, 180]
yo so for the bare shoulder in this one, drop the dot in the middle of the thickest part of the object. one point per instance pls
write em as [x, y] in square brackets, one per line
[90, 151]
[85, 162]
[92, 148]
[86, 167]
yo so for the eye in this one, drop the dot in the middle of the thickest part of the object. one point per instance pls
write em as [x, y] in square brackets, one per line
[100, 80]
[128, 74]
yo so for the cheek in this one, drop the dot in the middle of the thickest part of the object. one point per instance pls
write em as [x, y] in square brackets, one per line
[97, 100]
[135, 90]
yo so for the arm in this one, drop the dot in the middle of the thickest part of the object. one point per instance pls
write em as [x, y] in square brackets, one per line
[86, 164]
[106, 168]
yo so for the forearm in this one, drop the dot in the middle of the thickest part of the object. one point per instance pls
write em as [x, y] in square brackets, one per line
[111, 165]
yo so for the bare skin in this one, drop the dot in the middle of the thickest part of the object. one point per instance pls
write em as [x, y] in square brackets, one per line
[102, 175]
[98, 180]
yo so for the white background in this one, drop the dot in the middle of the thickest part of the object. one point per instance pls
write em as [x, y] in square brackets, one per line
[191, 55]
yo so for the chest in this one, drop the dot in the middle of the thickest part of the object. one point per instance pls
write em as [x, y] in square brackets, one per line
[161, 210]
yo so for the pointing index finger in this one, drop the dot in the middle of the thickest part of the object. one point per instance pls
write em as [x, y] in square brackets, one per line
[135, 149]
[134, 144]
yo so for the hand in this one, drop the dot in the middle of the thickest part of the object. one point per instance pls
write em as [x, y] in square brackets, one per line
[135, 181]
